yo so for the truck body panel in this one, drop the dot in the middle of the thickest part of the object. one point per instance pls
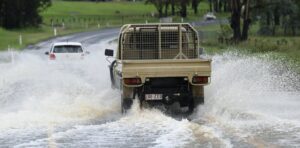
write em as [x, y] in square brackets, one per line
[166, 68]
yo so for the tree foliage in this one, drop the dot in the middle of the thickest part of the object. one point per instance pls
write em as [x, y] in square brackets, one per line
[21, 13]
[162, 6]
[271, 14]
[275, 14]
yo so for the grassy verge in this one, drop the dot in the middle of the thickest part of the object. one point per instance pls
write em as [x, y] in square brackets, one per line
[282, 47]
[11, 38]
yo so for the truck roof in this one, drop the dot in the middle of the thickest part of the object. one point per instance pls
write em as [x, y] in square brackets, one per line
[67, 43]
[163, 26]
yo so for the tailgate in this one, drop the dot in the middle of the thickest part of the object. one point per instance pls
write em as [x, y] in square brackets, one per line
[166, 68]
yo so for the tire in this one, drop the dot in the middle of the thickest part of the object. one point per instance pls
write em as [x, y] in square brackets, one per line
[126, 104]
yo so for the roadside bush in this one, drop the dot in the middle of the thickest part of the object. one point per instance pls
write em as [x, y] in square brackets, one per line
[265, 30]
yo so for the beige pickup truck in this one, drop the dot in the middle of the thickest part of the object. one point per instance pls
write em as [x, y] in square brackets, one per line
[159, 64]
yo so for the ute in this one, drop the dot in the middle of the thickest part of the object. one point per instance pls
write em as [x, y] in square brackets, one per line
[159, 64]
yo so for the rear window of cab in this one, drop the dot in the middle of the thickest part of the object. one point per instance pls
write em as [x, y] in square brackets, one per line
[67, 49]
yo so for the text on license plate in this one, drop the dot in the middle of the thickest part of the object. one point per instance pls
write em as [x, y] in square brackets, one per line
[153, 97]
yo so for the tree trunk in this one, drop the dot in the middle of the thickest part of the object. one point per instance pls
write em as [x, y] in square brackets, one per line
[183, 11]
[225, 6]
[246, 26]
[210, 5]
[160, 12]
[220, 5]
[235, 20]
[235, 25]
[195, 4]
[276, 16]
[166, 8]
[173, 7]
[247, 21]
[229, 5]
[268, 19]
[159, 6]
[216, 6]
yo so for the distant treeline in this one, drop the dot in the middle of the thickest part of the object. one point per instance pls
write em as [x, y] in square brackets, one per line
[271, 14]
[21, 13]
[90, 0]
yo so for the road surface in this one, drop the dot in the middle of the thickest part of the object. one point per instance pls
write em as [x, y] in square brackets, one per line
[251, 102]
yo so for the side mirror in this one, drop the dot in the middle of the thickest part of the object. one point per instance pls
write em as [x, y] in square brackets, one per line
[109, 52]
[87, 52]
[47, 53]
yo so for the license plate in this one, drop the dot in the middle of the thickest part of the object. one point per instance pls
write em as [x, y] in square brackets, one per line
[153, 96]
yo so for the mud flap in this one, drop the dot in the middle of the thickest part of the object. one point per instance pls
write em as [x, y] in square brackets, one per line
[111, 72]
[194, 102]
[126, 104]
[198, 101]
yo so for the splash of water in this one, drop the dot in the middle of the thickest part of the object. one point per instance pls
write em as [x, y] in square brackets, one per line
[251, 99]
[253, 96]
[35, 91]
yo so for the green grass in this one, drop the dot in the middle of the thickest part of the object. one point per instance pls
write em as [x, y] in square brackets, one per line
[283, 47]
[114, 13]
[31, 36]
[83, 16]
[110, 14]
[100, 8]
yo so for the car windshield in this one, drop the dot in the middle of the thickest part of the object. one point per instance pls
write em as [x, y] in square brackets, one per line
[67, 49]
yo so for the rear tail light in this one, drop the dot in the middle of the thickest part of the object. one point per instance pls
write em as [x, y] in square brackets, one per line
[132, 81]
[200, 80]
[52, 56]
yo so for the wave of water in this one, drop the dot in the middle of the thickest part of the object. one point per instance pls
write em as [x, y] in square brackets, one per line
[35, 91]
[252, 101]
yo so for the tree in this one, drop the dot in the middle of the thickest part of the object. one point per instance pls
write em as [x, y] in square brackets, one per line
[235, 22]
[183, 7]
[277, 13]
[195, 4]
[161, 4]
[158, 5]
[21, 13]
[246, 20]
[210, 5]
[173, 7]
[167, 3]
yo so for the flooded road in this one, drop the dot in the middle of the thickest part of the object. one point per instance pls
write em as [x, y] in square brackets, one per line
[251, 102]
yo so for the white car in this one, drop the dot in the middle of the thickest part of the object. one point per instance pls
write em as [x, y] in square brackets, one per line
[209, 16]
[66, 51]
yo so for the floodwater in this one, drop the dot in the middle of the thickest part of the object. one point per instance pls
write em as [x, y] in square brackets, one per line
[251, 102]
